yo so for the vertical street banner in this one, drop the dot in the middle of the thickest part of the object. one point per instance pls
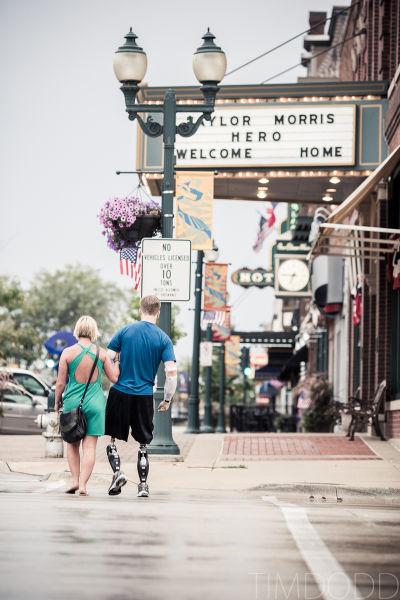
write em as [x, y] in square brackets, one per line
[232, 356]
[221, 333]
[194, 208]
[215, 290]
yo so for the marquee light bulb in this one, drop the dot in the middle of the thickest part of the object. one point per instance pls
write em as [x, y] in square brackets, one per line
[330, 190]
[263, 180]
[327, 198]
[334, 179]
[262, 194]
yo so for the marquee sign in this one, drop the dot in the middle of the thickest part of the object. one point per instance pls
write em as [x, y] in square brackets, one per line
[253, 277]
[295, 135]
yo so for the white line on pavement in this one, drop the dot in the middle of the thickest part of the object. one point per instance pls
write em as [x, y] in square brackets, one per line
[332, 580]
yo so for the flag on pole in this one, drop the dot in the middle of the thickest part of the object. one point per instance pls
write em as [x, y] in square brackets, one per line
[213, 316]
[265, 226]
[130, 264]
[220, 333]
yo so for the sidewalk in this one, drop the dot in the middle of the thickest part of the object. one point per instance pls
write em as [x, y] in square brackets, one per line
[234, 462]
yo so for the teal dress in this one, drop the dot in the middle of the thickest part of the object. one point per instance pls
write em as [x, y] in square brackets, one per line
[94, 404]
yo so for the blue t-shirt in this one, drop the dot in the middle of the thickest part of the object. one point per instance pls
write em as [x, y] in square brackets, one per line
[142, 347]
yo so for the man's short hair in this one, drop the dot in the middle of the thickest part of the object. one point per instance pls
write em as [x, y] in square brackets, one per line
[150, 305]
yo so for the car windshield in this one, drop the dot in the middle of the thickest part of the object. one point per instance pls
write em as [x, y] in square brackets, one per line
[30, 383]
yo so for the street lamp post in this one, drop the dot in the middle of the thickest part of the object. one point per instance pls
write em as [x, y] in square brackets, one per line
[130, 65]
[193, 401]
[221, 411]
[207, 426]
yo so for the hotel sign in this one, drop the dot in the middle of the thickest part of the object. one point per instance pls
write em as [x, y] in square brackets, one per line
[293, 135]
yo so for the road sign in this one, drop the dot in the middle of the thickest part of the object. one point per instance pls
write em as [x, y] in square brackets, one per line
[206, 354]
[166, 269]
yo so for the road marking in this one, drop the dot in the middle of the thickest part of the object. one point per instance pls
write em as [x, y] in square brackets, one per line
[332, 580]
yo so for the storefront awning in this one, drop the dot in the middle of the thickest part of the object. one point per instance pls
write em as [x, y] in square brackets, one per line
[293, 364]
[337, 238]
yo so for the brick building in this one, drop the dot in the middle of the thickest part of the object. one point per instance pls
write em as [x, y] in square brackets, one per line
[370, 32]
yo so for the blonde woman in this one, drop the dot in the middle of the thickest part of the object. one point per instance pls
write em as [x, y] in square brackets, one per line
[76, 363]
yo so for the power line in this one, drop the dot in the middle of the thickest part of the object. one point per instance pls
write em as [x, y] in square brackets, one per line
[299, 64]
[249, 62]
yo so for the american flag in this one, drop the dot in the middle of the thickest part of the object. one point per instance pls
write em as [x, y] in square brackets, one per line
[130, 264]
[265, 226]
[216, 317]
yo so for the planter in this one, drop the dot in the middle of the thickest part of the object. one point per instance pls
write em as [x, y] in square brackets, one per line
[128, 220]
[145, 226]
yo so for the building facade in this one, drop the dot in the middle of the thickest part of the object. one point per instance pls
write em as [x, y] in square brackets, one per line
[364, 337]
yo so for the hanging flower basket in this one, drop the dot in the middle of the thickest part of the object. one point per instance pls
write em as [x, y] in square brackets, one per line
[128, 220]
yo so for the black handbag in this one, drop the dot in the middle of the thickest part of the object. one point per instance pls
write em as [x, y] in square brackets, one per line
[73, 423]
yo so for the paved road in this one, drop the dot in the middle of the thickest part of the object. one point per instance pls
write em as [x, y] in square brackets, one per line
[191, 546]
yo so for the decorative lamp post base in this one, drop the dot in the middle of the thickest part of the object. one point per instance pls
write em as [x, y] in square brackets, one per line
[207, 429]
[160, 448]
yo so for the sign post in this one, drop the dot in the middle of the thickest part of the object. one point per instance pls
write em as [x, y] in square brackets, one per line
[166, 269]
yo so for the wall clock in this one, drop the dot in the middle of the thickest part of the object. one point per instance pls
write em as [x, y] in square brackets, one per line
[292, 276]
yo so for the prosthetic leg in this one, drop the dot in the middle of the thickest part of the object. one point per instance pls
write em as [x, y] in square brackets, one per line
[119, 479]
[143, 471]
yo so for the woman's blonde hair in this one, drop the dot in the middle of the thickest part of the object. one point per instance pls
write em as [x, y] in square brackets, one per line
[86, 327]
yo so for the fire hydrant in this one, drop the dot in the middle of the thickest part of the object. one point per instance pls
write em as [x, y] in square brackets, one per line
[54, 445]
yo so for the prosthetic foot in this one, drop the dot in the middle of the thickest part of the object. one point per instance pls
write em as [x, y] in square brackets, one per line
[119, 479]
[143, 470]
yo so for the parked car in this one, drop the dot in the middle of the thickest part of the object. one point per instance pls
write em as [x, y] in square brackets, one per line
[34, 384]
[18, 411]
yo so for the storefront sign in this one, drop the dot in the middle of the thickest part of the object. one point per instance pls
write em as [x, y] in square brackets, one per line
[294, 211]
[296, 135]
[253, 277]
[166, 269]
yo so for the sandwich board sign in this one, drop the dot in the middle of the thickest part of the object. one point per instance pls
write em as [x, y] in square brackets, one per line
[166, 269]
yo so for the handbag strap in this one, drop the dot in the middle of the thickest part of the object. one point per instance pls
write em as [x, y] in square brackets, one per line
[90, 376]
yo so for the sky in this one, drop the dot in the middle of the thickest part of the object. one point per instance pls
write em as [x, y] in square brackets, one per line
[64, 130]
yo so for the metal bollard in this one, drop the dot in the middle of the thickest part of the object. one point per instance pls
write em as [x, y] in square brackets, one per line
[54, 447]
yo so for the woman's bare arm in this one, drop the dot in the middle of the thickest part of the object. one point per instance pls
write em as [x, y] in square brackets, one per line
[61, 380]
[111, 366]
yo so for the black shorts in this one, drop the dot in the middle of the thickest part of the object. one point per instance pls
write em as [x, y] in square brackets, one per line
[126, 411]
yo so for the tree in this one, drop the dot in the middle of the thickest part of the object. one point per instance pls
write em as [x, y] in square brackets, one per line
[17, 338]
[176, 332]
[56, 300]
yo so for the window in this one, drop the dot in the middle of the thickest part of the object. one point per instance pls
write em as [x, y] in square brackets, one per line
[31, 384]
[17, 399]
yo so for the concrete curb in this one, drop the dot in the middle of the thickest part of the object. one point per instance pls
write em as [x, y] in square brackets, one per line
[332, 492]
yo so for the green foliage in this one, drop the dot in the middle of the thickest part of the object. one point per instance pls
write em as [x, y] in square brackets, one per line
[320, 417]
[234, 393]
[176, 331]
[16, 334]
[56, 301]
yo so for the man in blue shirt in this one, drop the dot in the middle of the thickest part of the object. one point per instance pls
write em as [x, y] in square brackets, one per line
[139, 348]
